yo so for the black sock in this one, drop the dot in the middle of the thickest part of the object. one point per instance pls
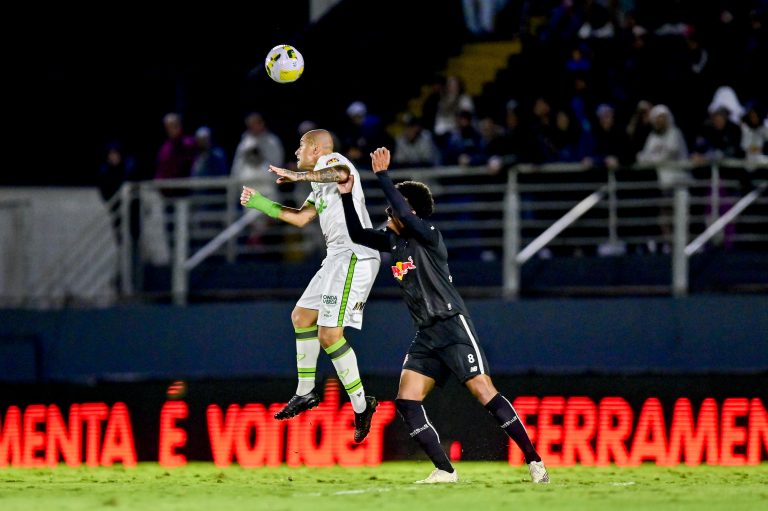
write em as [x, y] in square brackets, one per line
[507, 418]
[423, 432]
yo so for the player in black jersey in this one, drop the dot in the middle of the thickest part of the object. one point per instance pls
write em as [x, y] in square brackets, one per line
[446, 341]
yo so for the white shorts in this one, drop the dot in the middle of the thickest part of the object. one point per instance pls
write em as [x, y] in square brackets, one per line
[339, 290]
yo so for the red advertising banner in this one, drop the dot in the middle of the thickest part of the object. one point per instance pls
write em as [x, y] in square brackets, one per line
[565, 430]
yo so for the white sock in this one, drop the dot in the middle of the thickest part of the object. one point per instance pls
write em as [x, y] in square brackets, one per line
[345, 361]
[307, 351]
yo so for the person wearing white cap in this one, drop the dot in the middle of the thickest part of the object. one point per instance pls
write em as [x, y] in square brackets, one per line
[665, 144]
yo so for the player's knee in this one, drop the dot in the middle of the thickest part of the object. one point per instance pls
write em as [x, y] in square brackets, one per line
[482, 388]
[407, 408]
[329, 336]
[300, 319]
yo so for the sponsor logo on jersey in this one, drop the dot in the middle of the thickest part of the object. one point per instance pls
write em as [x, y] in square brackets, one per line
[332, 161]
[401, 268]
[330, 299]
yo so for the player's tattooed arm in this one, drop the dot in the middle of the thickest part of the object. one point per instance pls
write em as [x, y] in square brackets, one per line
[335, 174]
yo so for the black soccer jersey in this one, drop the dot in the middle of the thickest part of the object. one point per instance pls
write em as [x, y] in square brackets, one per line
[420, 258]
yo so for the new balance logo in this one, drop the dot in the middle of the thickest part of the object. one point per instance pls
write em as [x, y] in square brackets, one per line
[473, 369]
[359, 306]
[419, 430]
[509, 422]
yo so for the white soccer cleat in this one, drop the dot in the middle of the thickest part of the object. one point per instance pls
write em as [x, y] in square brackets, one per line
[538, 472]
[440, 476]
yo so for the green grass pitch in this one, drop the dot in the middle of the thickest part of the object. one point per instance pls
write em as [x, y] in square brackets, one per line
[484, 486]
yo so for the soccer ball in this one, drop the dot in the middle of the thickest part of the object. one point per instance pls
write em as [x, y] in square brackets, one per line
[284, 63]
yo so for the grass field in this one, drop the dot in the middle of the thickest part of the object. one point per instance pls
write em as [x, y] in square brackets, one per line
[484, 486]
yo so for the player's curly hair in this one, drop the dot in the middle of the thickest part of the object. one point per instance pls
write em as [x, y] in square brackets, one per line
[418, 196]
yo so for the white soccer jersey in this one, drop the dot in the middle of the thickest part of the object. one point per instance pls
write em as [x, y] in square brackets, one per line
[327, 201]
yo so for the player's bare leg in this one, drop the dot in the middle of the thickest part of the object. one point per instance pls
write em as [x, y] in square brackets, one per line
[307, 350]
[414, 387]
[499, 406]
[345, 361]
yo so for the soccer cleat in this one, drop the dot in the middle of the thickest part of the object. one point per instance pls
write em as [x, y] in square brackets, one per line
[363, 419]
[538, 472]
[298, 404]
[440, 476]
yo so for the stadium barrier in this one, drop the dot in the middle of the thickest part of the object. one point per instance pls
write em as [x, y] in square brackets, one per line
[532, 212]
[587, 420]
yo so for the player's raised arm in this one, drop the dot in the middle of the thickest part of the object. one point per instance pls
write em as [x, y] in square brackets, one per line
[423, 229]
[357, 233]
[252, 199]
[333, 174]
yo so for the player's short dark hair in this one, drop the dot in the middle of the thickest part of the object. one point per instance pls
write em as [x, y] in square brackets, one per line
[418, 196]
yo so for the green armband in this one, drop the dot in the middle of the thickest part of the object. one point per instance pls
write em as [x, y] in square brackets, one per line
[266, 206]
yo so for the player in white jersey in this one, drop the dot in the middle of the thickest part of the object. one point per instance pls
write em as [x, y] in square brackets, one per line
[336, 295]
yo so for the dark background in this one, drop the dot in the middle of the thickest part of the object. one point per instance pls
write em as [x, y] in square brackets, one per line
[86, 76]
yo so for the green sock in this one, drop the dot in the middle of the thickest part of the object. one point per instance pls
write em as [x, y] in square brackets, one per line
[344, 360]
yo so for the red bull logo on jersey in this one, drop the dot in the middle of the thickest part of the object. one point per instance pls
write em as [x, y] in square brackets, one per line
[401, 268]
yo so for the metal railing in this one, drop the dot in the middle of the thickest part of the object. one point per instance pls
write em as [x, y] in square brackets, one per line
[545, 211]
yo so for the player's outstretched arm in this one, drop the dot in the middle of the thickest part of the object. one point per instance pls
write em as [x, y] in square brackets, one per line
[380, 159]
[334, 174]
[252, 199]
[357, 233]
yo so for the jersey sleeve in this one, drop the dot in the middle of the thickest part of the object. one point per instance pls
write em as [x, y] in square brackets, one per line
[311, 198]
[371, 238]
[330, 160]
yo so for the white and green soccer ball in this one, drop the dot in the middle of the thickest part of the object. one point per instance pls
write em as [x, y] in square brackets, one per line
[284, 63]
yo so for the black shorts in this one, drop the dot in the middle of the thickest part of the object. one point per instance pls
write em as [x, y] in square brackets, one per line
[448, 346]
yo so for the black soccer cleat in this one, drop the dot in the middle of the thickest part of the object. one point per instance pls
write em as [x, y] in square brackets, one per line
[298, 404]
[363, 420]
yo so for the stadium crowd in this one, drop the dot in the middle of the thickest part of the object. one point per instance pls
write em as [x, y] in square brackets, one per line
[607, 83]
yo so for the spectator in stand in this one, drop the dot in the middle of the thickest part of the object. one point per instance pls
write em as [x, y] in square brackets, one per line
[480, 15]
[451, 102]
[665, 144]
[606, 145]
[116, 169]
[430, 106]
[598, 23]
[718, 138]
[542, 130]
[363, 134]
[490, 136]
[210, 160]
[414, 147]
[174, 160]
[464, 145]
[754, 136]
[725, 97]
[566, 140]
[513, 146]
[639, 126]
[258, 149]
